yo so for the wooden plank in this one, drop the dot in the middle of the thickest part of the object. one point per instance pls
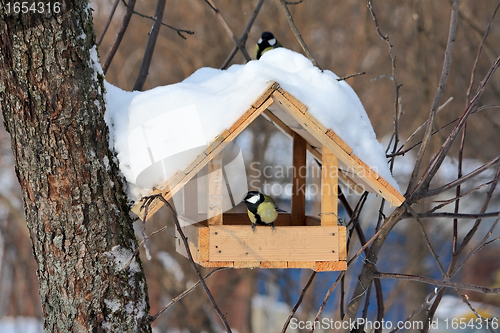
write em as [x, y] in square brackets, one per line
[299, 181]
[215, 195]
[204, 243]
[246, 264]
[266, 94]
[216, 263]
[295, 243]
[298, 104]
[341, 143]
[326, 266]
[329, 187]
[342, 233]
[273, 264]
[302, 264]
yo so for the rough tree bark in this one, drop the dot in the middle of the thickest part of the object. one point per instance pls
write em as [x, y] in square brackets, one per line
[51, 97]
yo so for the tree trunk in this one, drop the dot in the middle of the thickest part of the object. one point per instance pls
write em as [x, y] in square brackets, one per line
[51, 95]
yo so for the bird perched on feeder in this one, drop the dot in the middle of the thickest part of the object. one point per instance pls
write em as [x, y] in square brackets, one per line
[261, 209]
[266, 42]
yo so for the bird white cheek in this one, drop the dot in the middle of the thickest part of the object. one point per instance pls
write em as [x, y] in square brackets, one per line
[272, 42]
[260, 41]
[253, 199]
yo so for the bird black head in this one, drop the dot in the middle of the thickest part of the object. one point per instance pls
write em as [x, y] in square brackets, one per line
[266, 40]
[253, 198]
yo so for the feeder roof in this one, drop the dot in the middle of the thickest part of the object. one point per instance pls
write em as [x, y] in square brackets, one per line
[200, 115]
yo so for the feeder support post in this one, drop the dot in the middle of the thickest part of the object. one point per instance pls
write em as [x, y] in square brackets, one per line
[329, 187]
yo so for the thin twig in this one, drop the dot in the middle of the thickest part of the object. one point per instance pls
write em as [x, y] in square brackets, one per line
[244, 36]
[478, 246]
[443, 151]
[440, 283]
[327, 296]
[191, 260]
[427, 241]
[106, 25]
[460, 180]
[150, 46]
[423, 126]
[118, 36]
[184, 293]
[226, 27]
[141, 244]
[296, 32]
[179, 31]
[343, 78]
[457, 215]
[299, 301]
[478, 55]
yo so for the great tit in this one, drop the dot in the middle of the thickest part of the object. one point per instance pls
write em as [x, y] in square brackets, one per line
[266, 42]
[261, 209]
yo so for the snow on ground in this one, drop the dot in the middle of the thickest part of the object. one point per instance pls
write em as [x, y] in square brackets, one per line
[162, 130]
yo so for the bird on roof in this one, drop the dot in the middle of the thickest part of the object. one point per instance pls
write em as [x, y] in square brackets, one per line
[261, 209]
[266, 42]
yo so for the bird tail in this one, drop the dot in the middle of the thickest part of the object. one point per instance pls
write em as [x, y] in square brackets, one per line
[281, 210]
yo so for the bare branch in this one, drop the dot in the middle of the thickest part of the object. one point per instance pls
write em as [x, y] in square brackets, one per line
[297, 34]
[478, 55]
[327, 296]
[460, 180]
[228, 30]
[443, 151]
[437, 98]
[478, 246]
[244, 36]
[427, 241]
[184, 293]
[457, 215]
[299, 301]
[106, 25]
[440, 283]
[118, 36]
[150, 46]
[343, 78]
[179, 31]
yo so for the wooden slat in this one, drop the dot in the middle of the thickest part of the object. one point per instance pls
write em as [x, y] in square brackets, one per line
[240, 243]
[299, 181]
[298, 104]
[329, 188]
[326, 266]
[341, 143]
[246, 264]
[215, 195]
[342, 233]
[216, 263]
[302, 264]
[273, 264]
[266, 94]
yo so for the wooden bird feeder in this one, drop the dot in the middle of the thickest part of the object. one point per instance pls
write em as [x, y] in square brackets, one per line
[300, 241]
